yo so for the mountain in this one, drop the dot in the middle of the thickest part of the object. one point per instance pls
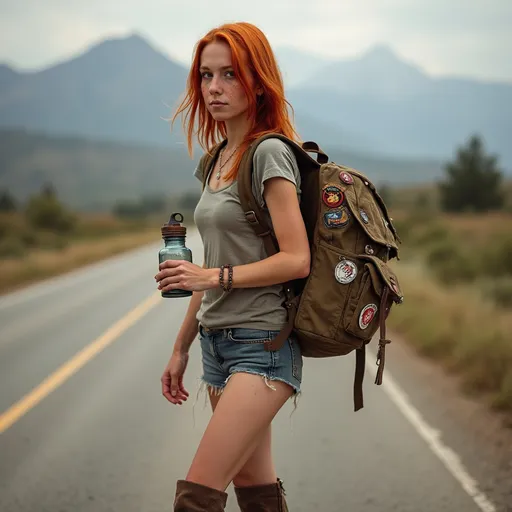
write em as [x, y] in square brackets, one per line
[89, 174]
[378, 72]
[8, 77]
[117, 90]
[120, 89]
[296, 65]
[403, 110]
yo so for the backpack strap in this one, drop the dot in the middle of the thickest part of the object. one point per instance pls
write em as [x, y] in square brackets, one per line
[257, 219]
[381, 354]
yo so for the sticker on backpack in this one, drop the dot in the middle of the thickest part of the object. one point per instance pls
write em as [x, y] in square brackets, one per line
[345, 271]
[336, 218]
[346, 178]
[364, 215]
[332, 196]
[367, 315]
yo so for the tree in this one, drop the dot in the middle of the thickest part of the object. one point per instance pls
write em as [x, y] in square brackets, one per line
[473, 181]
[7, 201]
[45, 211]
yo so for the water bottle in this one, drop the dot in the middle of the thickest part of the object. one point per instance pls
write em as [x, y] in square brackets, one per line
[174, 235]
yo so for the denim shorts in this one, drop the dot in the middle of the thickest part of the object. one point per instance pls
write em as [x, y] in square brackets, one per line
[234, 350]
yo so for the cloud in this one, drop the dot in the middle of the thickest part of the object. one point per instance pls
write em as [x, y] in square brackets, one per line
[462, 37]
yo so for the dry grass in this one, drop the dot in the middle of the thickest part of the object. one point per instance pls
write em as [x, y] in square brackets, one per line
[39, 264]
[459, 327]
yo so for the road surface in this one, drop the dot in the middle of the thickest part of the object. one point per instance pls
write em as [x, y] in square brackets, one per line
[84, 428]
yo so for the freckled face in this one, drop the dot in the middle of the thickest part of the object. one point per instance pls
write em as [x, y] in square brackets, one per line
[223, 93]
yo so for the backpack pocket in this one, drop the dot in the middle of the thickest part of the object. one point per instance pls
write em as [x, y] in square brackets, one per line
[323, 298]
[363, 309]
[339, 306]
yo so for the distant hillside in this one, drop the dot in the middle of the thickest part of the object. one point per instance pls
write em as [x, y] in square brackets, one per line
[120, 89]
[88, 174]
[117, 90]
[403, 110]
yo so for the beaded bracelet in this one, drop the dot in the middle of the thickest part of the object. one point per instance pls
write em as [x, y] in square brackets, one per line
[221, 276]
[230, 278]
[229, 286]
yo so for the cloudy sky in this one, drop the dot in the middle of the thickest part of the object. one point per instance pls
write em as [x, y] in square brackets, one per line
[445, 37]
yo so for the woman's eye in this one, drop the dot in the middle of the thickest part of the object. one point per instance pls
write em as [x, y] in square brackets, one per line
[206, 74]
[230, 74]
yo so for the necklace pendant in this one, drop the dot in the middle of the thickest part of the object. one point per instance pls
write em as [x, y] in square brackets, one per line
[218, 175]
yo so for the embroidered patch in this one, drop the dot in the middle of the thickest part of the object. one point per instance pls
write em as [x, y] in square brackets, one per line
[369, 250]
[332, 196]
[336, 218]
[364, 215]
[345, 271]
[367, 315]
[345, 177]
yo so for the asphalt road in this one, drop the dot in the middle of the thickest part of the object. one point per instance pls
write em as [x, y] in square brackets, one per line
[84, 427]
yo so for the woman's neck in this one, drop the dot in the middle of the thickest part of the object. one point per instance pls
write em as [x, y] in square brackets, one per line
[236, 130]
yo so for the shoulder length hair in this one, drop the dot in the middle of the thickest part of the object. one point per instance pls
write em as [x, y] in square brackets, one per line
[251, 54]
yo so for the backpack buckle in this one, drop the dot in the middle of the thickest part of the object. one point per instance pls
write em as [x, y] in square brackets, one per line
[251, 217]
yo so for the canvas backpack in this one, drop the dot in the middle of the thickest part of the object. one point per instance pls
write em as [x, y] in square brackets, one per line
[349, 292]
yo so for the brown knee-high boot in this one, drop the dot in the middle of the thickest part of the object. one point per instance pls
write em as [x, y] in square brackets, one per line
[262, 498]
[192, 497]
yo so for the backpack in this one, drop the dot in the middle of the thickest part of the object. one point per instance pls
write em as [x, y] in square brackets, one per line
[349, 292]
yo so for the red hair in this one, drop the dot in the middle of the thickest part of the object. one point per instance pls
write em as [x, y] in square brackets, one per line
[250, 54]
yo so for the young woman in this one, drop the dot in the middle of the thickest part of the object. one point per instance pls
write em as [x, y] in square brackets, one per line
[235, 95]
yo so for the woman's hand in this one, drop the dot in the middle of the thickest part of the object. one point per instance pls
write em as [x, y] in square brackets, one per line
[172, 378]
[183, 275]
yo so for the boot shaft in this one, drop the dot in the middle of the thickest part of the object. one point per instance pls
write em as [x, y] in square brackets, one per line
[192, 497]
[262, 498]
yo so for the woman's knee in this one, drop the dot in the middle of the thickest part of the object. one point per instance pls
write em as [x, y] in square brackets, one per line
[259, 468]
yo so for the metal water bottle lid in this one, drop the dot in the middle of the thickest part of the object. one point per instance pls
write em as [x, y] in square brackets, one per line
[174, 227]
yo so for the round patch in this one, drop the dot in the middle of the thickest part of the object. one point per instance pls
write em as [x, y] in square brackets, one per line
[346, 178]
[369, 250]
[332, 196]
[364, 216]
[345, 271]
[367, 315]
[336, 218]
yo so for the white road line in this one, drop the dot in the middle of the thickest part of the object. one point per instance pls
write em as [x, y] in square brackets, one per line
[432, 437]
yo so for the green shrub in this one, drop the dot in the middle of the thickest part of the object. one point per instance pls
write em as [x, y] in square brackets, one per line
[12, 247]
[497, 257]
[427, 235]
[498, 290]
[450, 263]
[46, 212]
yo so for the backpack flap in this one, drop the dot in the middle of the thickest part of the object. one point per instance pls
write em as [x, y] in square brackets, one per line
[382, 276]
[369, 210]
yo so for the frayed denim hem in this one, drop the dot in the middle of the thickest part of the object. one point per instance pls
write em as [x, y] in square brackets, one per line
[217, 390]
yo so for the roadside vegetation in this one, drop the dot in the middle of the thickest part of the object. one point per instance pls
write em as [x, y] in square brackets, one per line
[456, 272]
[43, 237]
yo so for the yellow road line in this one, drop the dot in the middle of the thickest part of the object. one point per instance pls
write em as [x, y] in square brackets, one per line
[53, 381]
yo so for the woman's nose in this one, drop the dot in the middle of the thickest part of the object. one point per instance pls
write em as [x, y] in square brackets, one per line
[215, 85]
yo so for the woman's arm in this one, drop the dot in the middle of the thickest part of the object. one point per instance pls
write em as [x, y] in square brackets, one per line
[291, 262]
[293, 259]
[190, 326]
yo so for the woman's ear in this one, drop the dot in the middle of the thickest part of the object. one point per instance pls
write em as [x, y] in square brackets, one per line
[259, 90]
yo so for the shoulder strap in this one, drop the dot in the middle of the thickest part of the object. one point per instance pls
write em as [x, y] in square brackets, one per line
[252, 210]
[256, 217]
[208, 159]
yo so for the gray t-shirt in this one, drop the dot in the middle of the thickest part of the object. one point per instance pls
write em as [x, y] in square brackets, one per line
[228, 238]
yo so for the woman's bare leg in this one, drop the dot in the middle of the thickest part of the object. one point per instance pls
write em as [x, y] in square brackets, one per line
[239, 424]
[259, 468]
